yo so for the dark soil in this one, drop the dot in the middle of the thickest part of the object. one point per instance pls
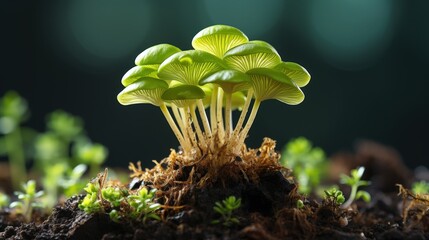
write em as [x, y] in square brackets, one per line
[268, 211]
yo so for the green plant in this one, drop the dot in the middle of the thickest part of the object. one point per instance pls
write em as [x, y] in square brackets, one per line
[143, 206]
[224, 72]
[225, 209]
[308, 163]
[354, 181]
[4, 200]
[91, 202]
[120, 203]
[421, 187]
[63, 154]
[28, 200]
[299, 204]
[334, 196]
[13, 112]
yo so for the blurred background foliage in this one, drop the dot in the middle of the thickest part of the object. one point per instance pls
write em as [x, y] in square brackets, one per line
[368, 61]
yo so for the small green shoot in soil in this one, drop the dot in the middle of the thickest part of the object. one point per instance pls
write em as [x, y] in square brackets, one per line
[120, 203]
[28, 200]
[308, 163]
[91, 202]
[299, 204]
[225, 209]
[334, 197]
[354, 181]
[421, 187]
[4, 200]
[13, 112]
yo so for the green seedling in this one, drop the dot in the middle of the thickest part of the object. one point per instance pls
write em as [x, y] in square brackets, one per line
[112, 195]
[4, 200]
[143, 206]
[334, 196]
[224, 72]
[354, 181]
[91, 202]
[72, 182]
[226, 209]
[308, 163]
[13, 112]
[28, 200]
[421, 187]
[63, 154]
[299, 204]
[118, 202]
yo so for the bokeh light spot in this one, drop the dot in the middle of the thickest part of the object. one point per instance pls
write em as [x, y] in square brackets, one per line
[253, 17]
[109, 28]
[350, 34]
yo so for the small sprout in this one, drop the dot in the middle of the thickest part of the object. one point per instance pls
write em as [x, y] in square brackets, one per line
[72, 182]
[334, 196]
[308, 163]
[112, 195]
[65, 125]
[299, 204]
[421, 187]
[28, 200]
[13, 112]
[91, 202]
[143, 205]
[115, 216]
[91, 154]
[4, 200]
[354, 181]
[225, 209]
[118, 202]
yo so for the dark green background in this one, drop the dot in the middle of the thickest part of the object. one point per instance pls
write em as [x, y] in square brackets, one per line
[368, 60]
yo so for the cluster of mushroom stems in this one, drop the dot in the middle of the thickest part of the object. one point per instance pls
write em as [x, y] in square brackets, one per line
[197, 90]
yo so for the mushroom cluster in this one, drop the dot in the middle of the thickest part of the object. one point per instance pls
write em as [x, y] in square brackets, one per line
[223, 73]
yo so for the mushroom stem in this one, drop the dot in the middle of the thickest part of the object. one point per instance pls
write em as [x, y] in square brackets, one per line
[213, 120]
[197, 126]
[191, 133]
[221, 129]
[179, 120]
[243, 113]
[249, 123]
[173, 126]
[204, 118]
[228, 115]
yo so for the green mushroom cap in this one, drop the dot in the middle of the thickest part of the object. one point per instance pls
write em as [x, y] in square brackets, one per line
[273, 84]
[183, 95]
[229, 80]
[218, 39]
[155, 55]
[144, 90]
[137, 72]
[190, 66]
[296, 72]
[253, 54]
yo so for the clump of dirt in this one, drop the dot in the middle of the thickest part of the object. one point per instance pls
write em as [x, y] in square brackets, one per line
[268, 210]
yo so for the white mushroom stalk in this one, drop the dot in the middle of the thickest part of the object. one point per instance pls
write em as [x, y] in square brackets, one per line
[225, 72]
